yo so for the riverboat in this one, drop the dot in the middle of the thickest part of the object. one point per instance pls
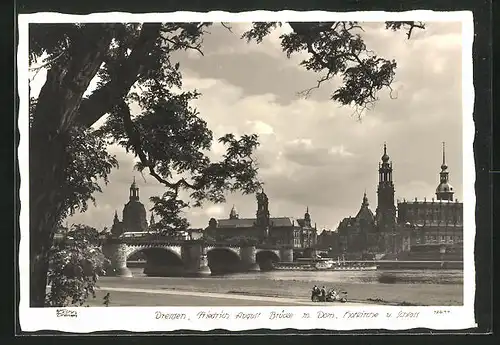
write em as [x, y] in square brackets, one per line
[324, 264]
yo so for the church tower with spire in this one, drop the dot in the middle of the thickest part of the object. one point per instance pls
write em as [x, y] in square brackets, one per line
[307, 218]
[444, 190]
[262, 220]
[386, 209]
[117, 227]
[152, 220]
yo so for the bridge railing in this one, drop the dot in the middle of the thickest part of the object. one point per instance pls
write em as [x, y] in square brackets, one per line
[154, 239]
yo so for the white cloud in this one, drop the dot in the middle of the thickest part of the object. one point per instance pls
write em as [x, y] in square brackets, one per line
[214, 211]
[260, 127]
[313, 152]
[339, 150]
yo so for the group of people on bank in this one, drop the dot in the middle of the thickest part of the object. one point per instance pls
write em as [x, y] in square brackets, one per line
[322, 295]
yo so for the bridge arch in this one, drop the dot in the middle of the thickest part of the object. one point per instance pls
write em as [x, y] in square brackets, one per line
[158, 258]
[266, 258]
[223, 260]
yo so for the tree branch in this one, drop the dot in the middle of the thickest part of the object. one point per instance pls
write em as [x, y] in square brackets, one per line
[412, 26]
[37, 68]
[135, 140]
[68, 81]
[103, 99]
[227, 27]
[307, 92]
[178, 44]
[397, 25]
[349, 53]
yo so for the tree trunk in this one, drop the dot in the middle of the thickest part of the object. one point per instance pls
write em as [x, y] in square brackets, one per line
[53, 118]
[57, 112]
[47, 167]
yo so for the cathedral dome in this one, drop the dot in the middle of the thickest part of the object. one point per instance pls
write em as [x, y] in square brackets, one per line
[134, 212]
[134, 216]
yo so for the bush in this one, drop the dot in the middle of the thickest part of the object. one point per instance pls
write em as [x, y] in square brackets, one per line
[75, 265]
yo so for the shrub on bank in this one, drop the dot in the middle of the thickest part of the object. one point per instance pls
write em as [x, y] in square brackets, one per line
[74, 267]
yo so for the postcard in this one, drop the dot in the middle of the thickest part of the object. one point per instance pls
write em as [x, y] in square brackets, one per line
[241, 171]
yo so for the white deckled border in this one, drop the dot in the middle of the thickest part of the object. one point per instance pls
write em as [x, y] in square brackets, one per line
[143, 318]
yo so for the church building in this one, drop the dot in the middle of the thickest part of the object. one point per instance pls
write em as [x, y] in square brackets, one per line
[134, 215]
[398, 227]
[298, 233]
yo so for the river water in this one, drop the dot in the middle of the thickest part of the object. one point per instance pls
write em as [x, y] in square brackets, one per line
[371, 277]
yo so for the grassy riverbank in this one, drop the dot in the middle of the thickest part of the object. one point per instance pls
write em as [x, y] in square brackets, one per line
[412, 294]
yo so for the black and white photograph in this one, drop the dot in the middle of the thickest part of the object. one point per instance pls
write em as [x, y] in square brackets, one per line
[245, 165]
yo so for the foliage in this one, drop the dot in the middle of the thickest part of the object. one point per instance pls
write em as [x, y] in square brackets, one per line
[337, 49]
[244, 240]
[75, 265]
[88, 162]
[168, 207]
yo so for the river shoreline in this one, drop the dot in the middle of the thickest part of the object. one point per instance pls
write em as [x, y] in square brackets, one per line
[391, 294]
[133, 297]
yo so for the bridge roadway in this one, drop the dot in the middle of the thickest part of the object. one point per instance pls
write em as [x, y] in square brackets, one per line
[167, 257]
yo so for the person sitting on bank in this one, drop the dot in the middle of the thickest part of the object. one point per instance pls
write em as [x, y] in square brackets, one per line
[314, 292]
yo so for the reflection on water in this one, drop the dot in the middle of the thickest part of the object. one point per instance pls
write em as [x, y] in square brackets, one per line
[375, 277]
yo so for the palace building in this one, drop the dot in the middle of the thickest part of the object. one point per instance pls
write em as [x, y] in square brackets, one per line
[298, 233]
[439, 220]
[397, 227]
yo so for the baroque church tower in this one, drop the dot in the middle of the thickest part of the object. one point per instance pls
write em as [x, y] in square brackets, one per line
[444, 190]
[263, 217]
[386, 209]
[307, 218]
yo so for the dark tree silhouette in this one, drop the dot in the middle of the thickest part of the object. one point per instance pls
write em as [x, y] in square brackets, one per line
[132, 62]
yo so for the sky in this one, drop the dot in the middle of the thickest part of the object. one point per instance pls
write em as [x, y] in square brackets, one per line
[314, 153]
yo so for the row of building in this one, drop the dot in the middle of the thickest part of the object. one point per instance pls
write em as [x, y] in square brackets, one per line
[399, 226]
[394, 227]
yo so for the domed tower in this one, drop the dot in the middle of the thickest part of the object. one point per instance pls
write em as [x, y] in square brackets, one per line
[444, 190]
[386, 210]
[134, 212]
[233, 214]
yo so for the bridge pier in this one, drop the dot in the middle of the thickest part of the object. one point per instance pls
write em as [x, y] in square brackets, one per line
[194, 257]
[118, 253]
[286, 255]
[249, 259]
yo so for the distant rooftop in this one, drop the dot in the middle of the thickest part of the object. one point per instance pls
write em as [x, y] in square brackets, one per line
[428, 201]
[250, 222]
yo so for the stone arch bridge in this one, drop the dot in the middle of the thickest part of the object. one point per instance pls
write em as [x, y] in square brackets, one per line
[167, 257]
